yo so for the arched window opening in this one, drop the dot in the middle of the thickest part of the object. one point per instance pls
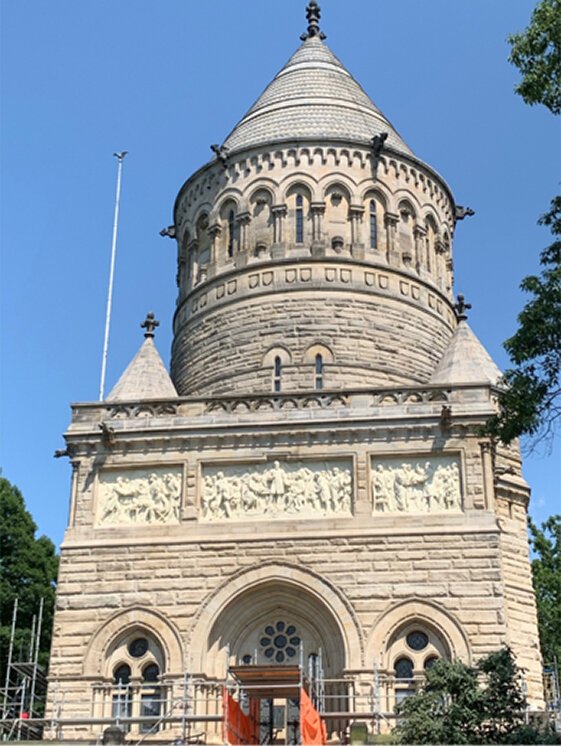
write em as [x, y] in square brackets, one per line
[403, 668]
[135, 692]
[373, 226]
[318, 379]
[430, 661]
[299, 219]
[277, 374]
[231, 232]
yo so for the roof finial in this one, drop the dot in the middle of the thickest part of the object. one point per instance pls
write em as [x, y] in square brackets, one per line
[461, 307]
[313, 13]
[149, 324]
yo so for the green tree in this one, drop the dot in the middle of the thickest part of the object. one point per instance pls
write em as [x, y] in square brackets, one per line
[530, 403]
[28, 571]
[546, 572]
[537, 54]
[470, 705]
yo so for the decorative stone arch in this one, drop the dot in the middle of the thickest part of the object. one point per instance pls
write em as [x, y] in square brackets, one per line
[280, 350]
[262, 185]
[318, 348]
[302, 180]
[233, 196]
[405, 200]
[376, 193]
[243, 599]
[425, 613]
[125, 622]
[204, 210]
[338, 181]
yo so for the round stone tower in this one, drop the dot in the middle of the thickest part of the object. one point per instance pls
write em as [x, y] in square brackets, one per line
[315, 249]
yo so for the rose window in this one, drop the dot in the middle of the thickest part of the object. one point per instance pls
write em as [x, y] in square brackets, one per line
[279, 642]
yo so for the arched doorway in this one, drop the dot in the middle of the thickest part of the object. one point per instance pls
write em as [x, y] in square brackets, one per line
[272, 636]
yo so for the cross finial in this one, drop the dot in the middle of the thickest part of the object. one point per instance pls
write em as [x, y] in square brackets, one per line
[313, 13]
[461, 307]
[149, 324]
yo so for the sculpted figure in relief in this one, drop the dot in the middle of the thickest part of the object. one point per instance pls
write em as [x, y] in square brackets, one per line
[242, 492]
[141, 499]
[416, 487]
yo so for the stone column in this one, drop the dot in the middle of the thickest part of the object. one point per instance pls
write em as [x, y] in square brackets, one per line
[391, 221]
[488, 475]
[279, 215]
[243, 219]
[215, 231]
[317, 210]
[439, 252]
[357, 246]
[419, 234]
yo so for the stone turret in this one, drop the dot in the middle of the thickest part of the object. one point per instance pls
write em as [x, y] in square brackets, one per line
[314, 231]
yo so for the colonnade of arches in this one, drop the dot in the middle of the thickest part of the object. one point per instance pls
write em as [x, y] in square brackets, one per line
[337, 217]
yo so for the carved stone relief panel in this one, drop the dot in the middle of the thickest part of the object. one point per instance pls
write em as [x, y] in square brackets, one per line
[429, 484]
[261, 491]
[139, 496]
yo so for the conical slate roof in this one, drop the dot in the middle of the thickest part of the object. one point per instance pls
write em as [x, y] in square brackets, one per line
[146, 377]
[465, 360]
[312, 97]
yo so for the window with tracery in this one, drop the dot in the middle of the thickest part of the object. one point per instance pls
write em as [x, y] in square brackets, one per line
[280, 642]
[137, 696]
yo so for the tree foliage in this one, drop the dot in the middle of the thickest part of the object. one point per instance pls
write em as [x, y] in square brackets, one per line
[537, 54]
[28, 571]
[546, 572]
[530, 403]
[470, 705]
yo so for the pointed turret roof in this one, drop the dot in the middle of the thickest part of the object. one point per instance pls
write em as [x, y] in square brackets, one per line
[465, 360]
[146, 376]
[313, 97]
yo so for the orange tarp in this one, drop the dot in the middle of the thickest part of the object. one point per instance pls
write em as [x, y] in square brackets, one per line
[239, 729]
[312, 727]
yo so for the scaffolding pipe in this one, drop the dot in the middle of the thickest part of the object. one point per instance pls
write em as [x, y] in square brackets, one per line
[10, 652]
[36, 657]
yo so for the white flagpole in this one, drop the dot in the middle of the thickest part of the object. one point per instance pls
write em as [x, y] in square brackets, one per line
[120, 157]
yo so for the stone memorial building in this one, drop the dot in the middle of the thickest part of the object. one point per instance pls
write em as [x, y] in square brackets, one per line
[306, 493]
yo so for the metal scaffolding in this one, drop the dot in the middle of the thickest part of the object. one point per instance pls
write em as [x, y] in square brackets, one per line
[24, 690]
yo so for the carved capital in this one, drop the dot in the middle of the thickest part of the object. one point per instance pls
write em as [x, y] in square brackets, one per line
[391, 219]
[419, 231]
[243, 218]
[317, 208]
[279, 210]
[356, 211]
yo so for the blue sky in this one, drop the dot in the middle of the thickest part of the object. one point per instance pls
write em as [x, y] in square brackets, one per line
[166, 79]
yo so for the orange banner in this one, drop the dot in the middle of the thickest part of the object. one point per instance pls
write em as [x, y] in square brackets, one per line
[312, 727]
[238, 729]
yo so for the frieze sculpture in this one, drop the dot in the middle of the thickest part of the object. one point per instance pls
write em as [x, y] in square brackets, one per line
[416, 486]
[262, 491]
[139, 497]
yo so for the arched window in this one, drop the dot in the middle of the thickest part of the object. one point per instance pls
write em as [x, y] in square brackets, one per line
[137, 696]
[299, 219]
[231, 232]
[318, 379]
[277, 374]
[373, 226]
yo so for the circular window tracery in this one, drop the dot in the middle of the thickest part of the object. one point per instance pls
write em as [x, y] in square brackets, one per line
[279, 641]
[138, 647]
[417, 640]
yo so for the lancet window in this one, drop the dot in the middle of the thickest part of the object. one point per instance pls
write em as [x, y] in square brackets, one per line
[277, 372]
[318, 377]
[231, 232]
[299, 219]
[373, 226]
